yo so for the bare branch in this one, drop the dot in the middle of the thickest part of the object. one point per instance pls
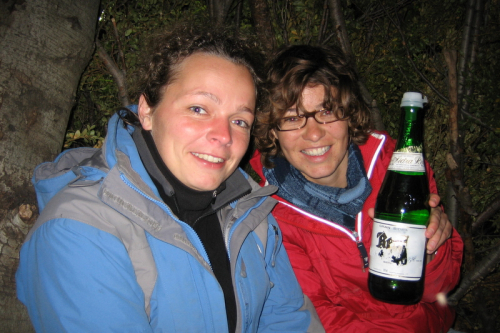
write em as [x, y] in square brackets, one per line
[480, 122]
[324, 22]
[376, 14]
[117, 74]
[482, 269]
[470, 49]
[262, 18]
[239, 8]
[219, 10]
[120, 48]
[375, 117]
[490, 210]
[465, 51]
[450, 57]
[340, 28]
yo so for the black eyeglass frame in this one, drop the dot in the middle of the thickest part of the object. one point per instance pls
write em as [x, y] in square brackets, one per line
[307, 115]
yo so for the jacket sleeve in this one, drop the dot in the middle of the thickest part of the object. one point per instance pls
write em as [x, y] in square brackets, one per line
[286, 309]
[75, 278]
[336, 305]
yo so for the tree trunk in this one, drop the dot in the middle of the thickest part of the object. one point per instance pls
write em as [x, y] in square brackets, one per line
[219, 10]
[44, 47]
[337, 17]
[262, 23]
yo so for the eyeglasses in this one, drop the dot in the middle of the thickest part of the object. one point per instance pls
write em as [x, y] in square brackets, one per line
[300, 120]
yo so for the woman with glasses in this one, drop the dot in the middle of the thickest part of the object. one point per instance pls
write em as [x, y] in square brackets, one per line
[314, 142]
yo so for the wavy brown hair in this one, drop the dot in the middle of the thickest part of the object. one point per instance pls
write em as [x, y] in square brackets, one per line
[289, 73]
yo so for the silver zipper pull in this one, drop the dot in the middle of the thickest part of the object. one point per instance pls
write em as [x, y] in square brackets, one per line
[362, 252]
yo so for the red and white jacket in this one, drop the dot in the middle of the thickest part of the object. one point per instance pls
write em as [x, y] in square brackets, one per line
[328, 265]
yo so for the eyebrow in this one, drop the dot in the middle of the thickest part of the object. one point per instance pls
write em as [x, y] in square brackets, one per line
[217, 100]
[318, 108]
[209, 95]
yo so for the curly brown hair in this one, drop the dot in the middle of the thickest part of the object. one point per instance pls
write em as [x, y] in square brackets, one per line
[289, 73]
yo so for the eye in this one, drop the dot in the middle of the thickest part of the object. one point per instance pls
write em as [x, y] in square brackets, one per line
[242, 123]
[290, 119]
[198, 110]
[326, 115]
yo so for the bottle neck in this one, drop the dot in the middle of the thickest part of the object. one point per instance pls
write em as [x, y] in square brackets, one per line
[411, 132]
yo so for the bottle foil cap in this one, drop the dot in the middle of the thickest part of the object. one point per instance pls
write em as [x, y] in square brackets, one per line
[412, 98]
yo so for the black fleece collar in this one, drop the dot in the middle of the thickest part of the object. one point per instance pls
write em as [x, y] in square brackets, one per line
[167, 184]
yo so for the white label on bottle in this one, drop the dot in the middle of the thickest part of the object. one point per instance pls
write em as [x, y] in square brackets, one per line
[397, 250]
[402, 161]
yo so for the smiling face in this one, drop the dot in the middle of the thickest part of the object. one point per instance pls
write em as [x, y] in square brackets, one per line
[318, 151]
[201, 127]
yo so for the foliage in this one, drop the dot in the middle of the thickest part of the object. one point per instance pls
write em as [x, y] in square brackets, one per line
[398, 47]
[89, 136]
[97, 94]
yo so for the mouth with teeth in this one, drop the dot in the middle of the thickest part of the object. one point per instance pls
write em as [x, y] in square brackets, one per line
[316, 151]
[209, 158]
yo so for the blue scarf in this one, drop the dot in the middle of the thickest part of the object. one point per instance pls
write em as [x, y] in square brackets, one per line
[339, 205]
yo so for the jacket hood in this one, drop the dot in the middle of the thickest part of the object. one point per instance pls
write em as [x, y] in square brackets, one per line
[119, 138]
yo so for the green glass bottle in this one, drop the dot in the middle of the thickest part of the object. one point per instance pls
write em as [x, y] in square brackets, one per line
[397, 252]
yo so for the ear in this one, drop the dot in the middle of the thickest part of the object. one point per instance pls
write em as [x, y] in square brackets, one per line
[145, 114]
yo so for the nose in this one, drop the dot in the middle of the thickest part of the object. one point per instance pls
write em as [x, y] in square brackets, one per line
[313, 131]
[220, 131]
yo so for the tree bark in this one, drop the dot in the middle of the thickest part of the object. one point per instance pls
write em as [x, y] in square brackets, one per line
[262, 23]
[340, 28]
[450, 57]
[219, 10]
[44, 47]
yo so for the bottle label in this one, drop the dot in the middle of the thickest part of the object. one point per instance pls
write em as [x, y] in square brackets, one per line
[404, 161]
[397, 250]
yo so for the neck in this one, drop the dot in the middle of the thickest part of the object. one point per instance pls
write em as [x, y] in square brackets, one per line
[338, 178]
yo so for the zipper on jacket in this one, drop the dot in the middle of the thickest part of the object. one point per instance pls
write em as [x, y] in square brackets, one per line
[353, 235]
[229, 230]
[276, 239]
[214, 196]
[228, 226]
[362, 251]
[169, 212]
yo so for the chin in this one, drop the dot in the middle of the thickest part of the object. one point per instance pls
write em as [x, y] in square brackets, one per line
[206, 186]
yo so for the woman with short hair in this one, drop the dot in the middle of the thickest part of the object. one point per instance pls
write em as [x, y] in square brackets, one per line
[315, 144]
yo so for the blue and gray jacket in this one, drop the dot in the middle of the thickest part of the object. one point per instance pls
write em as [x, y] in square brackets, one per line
[107, 255]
